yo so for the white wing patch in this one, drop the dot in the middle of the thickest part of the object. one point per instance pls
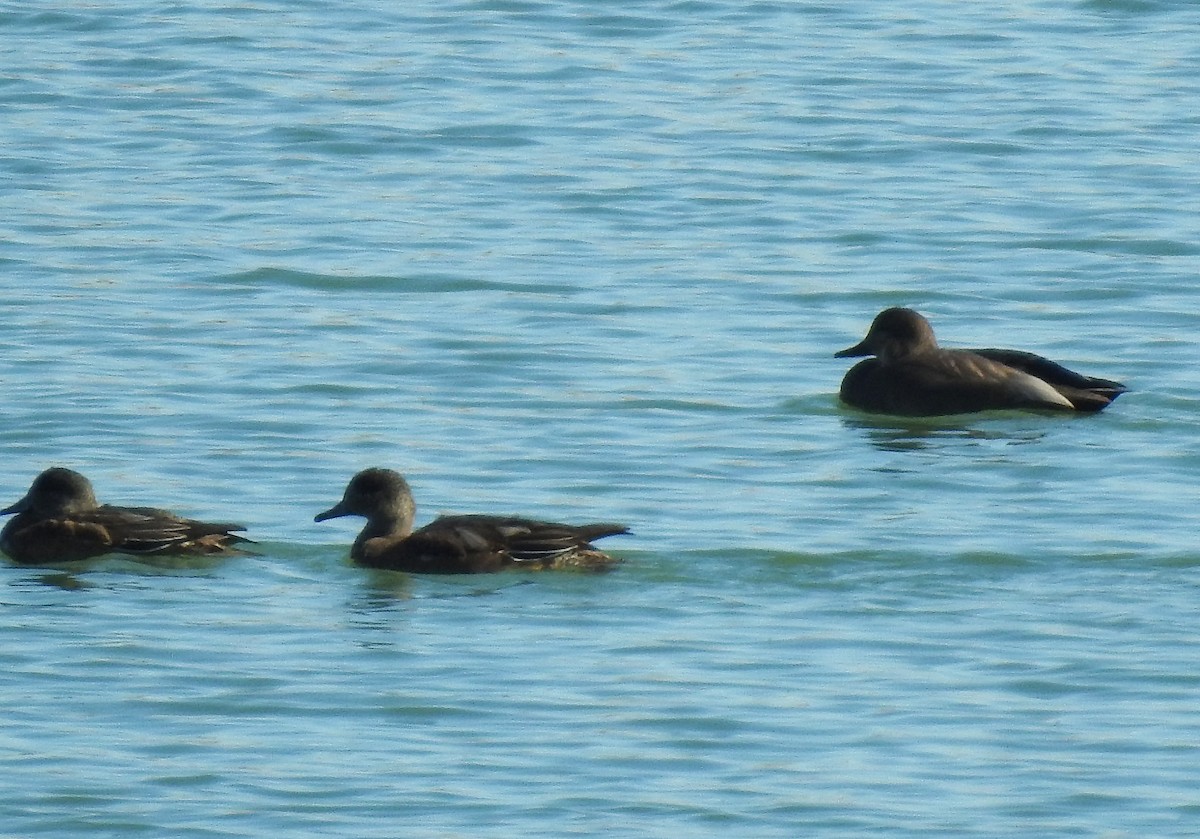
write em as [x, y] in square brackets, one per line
[1034, 389]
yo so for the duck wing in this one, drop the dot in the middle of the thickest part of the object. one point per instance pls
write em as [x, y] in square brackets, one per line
[540, 541]
[518, 539]
[147, 530]
[1052, 372]
[988, 382]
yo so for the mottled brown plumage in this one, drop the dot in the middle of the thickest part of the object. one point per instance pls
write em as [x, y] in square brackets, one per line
[912, 376]
[458, 544]
[59, 520]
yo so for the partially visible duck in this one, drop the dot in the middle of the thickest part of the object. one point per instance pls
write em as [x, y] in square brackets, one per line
[912, 376]
[458, 544]
[59, 520]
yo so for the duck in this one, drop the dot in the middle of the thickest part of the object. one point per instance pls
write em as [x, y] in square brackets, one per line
[910, 375]
[461, 544]
[59, 520]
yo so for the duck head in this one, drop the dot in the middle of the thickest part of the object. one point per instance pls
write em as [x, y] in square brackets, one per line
[381, 496]
[55, 493]
[895, 333]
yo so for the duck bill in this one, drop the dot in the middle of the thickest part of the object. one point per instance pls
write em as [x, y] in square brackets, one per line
[334, 512]
[857, 350]
[20, 507]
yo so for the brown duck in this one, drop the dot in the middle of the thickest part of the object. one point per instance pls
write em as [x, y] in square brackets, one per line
[458, 544]
[912, 376]
[59, 520]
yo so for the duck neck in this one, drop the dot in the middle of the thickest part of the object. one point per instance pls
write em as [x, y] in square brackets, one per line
[398, 524]
[394, 521]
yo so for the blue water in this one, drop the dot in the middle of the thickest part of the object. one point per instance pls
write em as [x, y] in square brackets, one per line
[591, 262]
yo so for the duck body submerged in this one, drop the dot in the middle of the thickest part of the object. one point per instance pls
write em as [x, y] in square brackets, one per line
[912, 376]
[59, 520]
[469, 544]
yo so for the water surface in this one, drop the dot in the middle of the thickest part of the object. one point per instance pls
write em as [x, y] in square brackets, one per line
[592, 264]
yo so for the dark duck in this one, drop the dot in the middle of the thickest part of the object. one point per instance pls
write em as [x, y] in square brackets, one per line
[459, 544]
[911, 375]
[59, 520]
